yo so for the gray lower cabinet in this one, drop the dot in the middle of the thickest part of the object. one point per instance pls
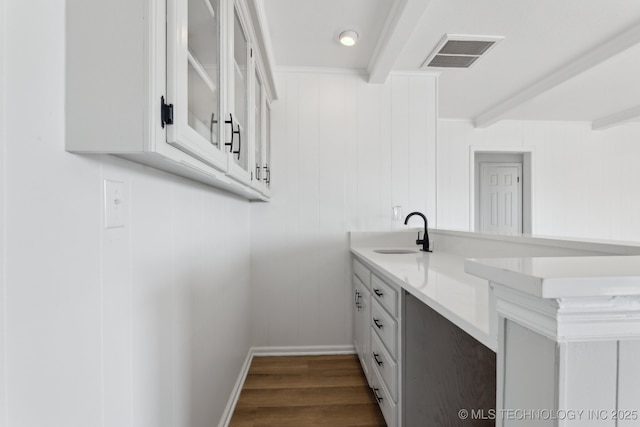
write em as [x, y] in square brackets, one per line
[378, 341]
[422, 368]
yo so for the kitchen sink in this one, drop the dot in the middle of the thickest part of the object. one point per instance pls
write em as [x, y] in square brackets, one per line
[395, 251]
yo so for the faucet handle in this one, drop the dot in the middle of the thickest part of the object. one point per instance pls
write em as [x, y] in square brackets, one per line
[419, 241]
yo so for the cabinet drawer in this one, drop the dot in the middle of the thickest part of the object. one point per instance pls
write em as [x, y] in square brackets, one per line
[385, 294]
[387, 404]
[386, 327]
[382, 361]
[362, 272]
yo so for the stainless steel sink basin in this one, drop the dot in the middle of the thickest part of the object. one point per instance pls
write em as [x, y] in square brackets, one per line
[395, 251]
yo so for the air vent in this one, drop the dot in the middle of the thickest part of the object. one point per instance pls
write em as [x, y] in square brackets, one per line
[460, 51]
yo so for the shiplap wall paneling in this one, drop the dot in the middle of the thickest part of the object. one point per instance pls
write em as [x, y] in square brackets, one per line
[400, 145]
[452, 177]
[172, 278]
[309, 275]
[51, 241]
[349, 151]
[629, 383]
[421, 163]
[3, 266]
[584, 181]
[333, 266]
[146, 325]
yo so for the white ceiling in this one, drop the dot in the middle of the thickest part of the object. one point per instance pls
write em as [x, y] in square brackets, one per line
[304, 33]
[545, 44]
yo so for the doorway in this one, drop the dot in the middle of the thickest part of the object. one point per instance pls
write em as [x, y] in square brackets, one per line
[502, 192]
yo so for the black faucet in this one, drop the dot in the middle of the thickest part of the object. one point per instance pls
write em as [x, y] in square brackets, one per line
[425, 241]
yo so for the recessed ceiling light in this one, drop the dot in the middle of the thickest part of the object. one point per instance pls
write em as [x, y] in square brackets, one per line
[348, 38]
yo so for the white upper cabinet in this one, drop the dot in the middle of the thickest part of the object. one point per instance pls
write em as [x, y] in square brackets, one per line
[239, 72]
[172, 86]
[194, 79]
[260, 174]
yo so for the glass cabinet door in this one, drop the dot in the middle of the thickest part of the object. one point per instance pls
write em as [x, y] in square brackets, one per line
[267, 148]
[258, 131]
[238, 142]
[193, 83]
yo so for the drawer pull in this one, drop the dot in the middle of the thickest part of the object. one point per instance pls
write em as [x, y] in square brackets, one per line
[377, 323]
[375, 392]
[378, 292]
[378, 361]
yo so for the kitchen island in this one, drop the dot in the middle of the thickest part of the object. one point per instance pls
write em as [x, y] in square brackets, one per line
[470, 302]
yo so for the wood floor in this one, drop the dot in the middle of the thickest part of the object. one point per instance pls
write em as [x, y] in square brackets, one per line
[306, 391]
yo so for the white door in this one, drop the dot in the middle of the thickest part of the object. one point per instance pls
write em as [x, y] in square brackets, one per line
[501, 198]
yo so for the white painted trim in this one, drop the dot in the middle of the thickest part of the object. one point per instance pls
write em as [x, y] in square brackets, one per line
[616, 119]
[571, 320]
[572, 68]
[402, 21]
[237, 389]
[310, 350]
[473, 149]
[321, 70]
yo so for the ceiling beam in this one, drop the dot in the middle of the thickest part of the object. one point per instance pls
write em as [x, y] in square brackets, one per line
[616, 45]
[403, 19]
[616, 119]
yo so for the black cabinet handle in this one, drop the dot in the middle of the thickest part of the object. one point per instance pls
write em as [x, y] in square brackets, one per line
[258, 172]
[377, 323]
[267, 173]
[378, 292]
[230, 122]
[375, 392]
[378, 361]
[239, 142]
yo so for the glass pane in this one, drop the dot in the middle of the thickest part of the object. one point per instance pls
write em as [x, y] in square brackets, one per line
[258, 127]
[204, 65]
[268, 144]
[240, 85]
[203, 107]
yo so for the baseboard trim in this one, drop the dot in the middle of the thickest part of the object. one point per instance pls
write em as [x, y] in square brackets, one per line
[235, 393]
[311, 350]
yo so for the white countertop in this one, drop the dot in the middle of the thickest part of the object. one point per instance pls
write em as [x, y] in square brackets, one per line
[540, 266]
[563, 277]
[438, 279]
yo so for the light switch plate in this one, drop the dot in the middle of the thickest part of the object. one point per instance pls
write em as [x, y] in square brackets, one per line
[115, 205]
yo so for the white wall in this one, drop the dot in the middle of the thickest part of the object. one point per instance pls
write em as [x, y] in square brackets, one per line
[3, 268]
[344, 153]
[142, 326]
[585, 183]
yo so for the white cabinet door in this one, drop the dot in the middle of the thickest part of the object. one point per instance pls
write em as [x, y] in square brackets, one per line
[267, 151]
[238, 121]
[194, 79]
